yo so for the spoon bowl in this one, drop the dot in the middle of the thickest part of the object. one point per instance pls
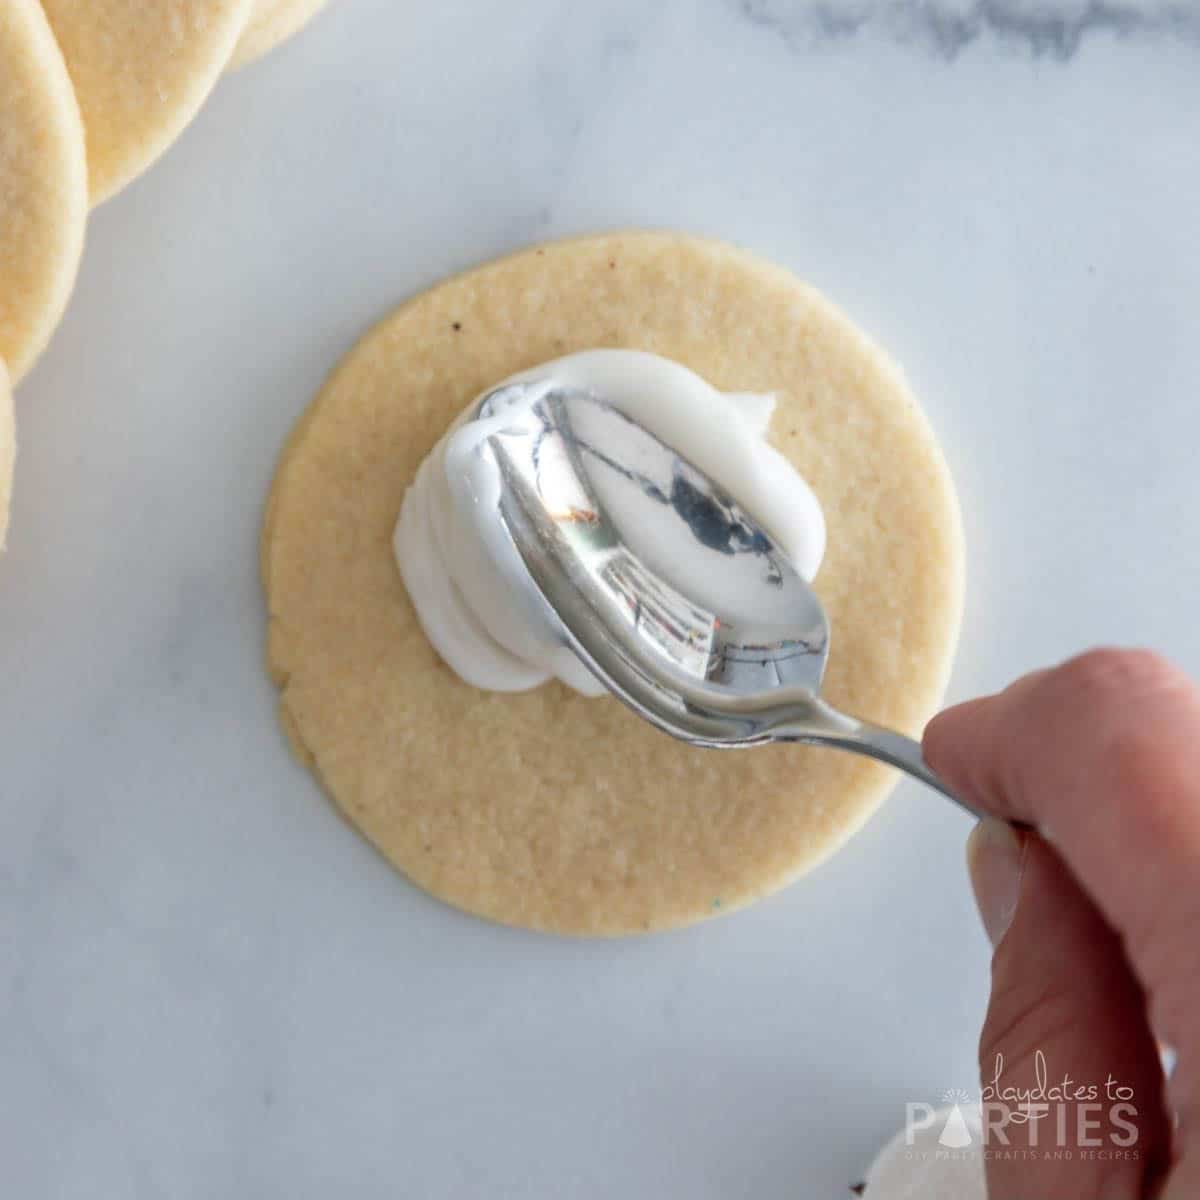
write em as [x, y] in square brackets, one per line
[673, 595]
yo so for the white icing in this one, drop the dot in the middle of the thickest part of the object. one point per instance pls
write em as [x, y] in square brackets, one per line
[466, 583]
[939, 1157]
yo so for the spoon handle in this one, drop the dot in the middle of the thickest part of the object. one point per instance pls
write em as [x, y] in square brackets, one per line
[822, 725]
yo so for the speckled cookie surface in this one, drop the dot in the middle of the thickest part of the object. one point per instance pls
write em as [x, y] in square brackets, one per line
[141, 69]
[43, 184]
[545, 809]
[8, 450]
[272, 22]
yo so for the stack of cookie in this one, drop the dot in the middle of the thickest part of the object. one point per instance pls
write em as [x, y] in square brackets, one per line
[91, 93]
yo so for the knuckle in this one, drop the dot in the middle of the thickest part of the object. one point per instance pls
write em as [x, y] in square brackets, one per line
[1118, 698]
[1117, 674]
[1133, 755]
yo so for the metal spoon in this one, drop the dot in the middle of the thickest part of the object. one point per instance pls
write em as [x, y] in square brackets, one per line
[729, 652]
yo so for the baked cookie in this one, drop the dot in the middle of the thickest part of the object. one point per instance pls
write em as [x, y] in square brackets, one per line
[141, 69]
[43, 184]
[272, 22]
[545, 809]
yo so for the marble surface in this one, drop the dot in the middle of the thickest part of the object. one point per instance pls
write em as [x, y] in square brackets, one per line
[209, 987]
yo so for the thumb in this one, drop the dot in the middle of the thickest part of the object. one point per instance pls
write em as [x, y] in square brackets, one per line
[1073, 1084]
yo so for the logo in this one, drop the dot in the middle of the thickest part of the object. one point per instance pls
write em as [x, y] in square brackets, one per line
[956, 1134]
[1055, 1115]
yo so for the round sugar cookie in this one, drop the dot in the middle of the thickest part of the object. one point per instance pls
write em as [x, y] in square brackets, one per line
[272, 22]
[8, 449]
[141, 69]
[545, 809]
[43, 184]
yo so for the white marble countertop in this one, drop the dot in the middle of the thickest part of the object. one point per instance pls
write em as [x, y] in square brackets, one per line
[209, 986]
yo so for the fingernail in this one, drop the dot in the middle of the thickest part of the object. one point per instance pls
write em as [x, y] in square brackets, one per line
[996, 861]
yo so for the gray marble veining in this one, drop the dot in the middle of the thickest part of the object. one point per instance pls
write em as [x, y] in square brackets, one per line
[1045, 28]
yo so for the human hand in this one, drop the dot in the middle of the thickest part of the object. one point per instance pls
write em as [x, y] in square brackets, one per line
[1095, 919]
